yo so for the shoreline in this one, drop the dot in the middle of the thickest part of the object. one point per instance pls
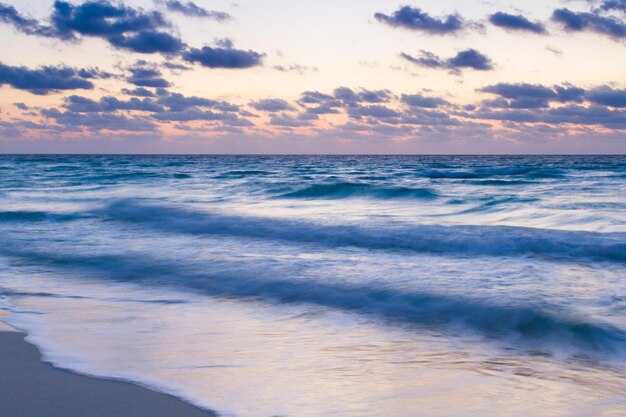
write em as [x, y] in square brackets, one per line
[30, 387]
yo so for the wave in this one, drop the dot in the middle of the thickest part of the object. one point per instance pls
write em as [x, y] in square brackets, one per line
[114, 177]
[527, 172]
[497, 183]
[534, 327]
[36, 216]
[351, 189]
[242, 174]
[432, 239]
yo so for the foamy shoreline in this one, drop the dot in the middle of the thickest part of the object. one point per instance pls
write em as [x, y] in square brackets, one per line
[30, 387]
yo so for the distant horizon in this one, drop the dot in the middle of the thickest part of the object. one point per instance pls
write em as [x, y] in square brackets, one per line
[308, 154]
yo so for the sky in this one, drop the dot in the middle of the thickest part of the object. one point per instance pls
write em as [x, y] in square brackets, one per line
[339, 77]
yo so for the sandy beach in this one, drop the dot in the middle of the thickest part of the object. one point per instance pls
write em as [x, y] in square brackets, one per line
[31, 388]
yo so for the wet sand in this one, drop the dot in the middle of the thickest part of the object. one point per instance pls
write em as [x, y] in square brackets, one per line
[32, 388]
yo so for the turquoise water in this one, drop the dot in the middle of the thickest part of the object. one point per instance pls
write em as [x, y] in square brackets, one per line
[327, 286]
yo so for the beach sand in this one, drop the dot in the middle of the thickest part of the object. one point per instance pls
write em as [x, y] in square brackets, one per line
[31, 388]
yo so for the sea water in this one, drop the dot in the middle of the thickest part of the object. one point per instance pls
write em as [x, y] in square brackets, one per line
[308, 286]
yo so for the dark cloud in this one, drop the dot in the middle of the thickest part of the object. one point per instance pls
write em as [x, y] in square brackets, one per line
[103, 19]
[424, 117]
[418, 100]
[108, 104]
[350, 97]
[571, 114]
[192, 114]
[148, 42]
[133, 29]
[139, 92]
[569, 93]
[143, 75]
[285, 120]
[315, 97]
[374, 111]
[96, 121]
[191, 9]
[516, 22]
[175, 67]
[609, 5]
[90, 73]
[175, 107]
[469, 58]
[593, 22]
[317, 103]
[414, 19]
[322, 109]
[426, 59]
[122, 26]
[271, 105]
[607, 96]
[167, 107]
[29, 26]
[45, 79]
[223, 57]
[176, 102]
[526, 96]
[9, 14]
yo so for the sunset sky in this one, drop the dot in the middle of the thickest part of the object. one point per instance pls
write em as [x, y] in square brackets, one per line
[342, 76]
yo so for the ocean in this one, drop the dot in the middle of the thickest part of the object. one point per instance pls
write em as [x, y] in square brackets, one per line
[310, 286]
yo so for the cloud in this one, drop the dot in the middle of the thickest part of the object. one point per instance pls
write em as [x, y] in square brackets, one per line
[469, 58]
[426, 117]
[593, 22]
[177, 102]
[418, 100]
[524, 96]
[271, 105]
[572, 114]
[103, 19]
[143, 75]
[516, 22]
[192, 114]
[133, 29]
[607, 96]
[148, 42]
[96, 121]
[193, 10]
[167, 107]
[413, 18]
[109, 104]
[350, 97]
[139, 92]
[532, 103]
[286, 120]
[609, 5]
[517, 111]
[375, 111]
[300, 69]
[175, 67]
[29, 26]
[223, 57]
[121, 26]
[46, 79]
[315, 97]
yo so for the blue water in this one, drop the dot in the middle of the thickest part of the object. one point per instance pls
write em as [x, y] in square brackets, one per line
[327, 285]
